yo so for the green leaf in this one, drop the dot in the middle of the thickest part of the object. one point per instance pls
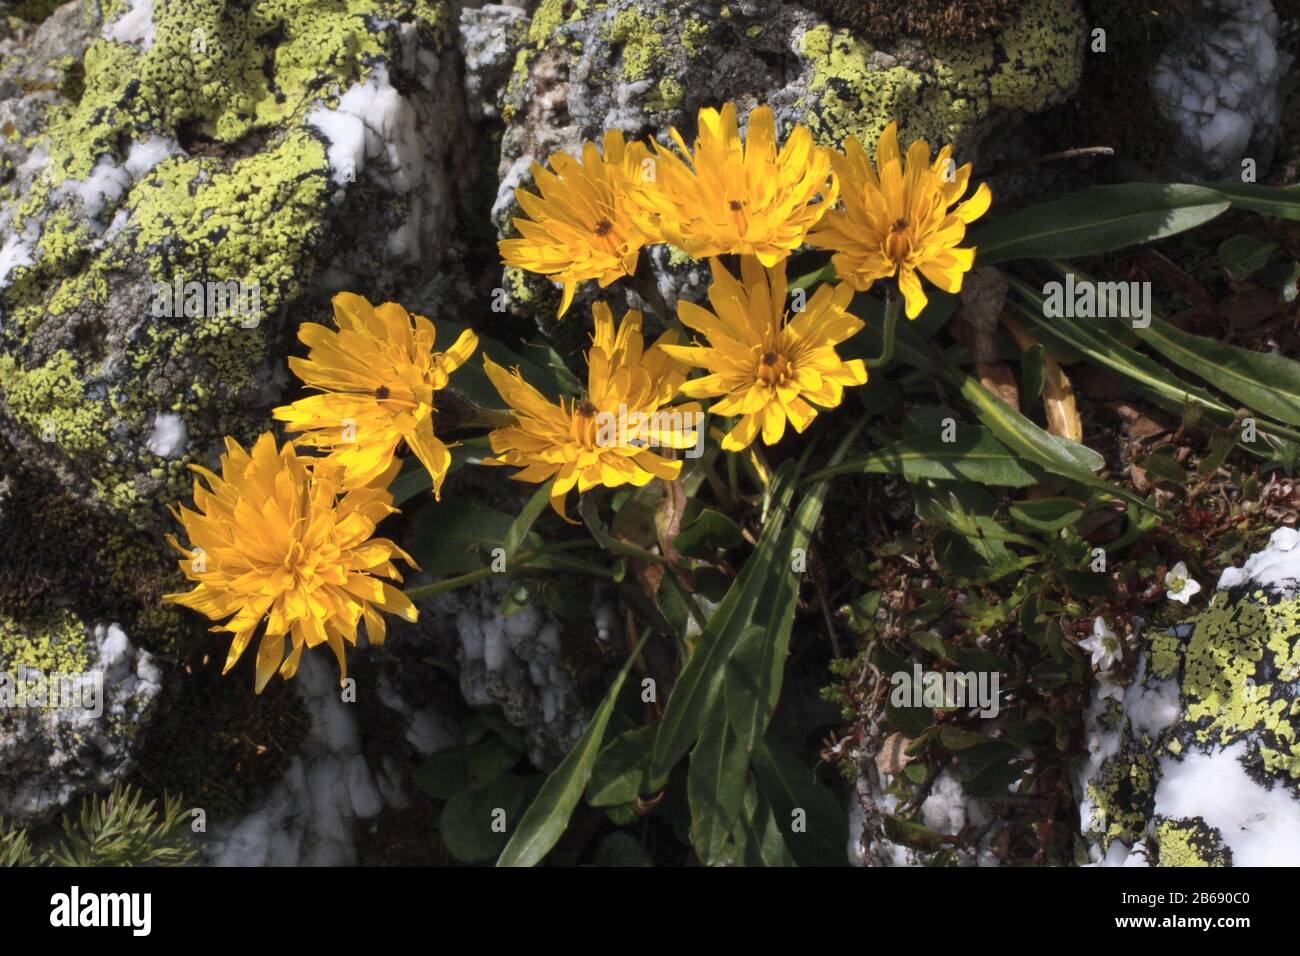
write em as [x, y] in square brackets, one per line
[915, 835]
[1033, 373]
[1242, 255]
[790, 785]
[764, 842]
[545, 820]
[1047, 514]
[1096, 220]
[444, 774]
[700, 681]
[1269, 200]
[519, 528]
[708, 532]
[469, 818]
[1268, 383]
[622, 849]
[715, 787]
[470, 379]
[621, 768]
[973, 455]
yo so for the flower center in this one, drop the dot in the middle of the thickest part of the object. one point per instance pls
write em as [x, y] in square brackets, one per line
[735, 205]
[773, 369]
[586, 409]
[898, 244]
[604, 227]
[381, 392]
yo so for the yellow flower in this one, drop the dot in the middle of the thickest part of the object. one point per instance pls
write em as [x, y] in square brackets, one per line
[767, 364]
[585, 224]
[901, 223]
[272, 543]
[378, 374]
[605, 437]
[740, 198]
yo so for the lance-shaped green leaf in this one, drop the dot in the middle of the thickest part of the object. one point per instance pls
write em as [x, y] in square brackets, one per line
[545, 819]
[715, 787]
[1096, 220]
[1282, 202]
[973, 455]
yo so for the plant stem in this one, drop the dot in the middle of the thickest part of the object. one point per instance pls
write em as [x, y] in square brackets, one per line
[893, 305]
[518, 563]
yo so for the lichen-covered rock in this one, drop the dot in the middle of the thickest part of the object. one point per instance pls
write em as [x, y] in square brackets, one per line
[253, 158]
[73, 699]
[644, 65]
[1197, 761]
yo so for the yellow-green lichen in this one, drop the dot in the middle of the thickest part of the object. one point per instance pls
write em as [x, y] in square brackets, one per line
[55, 644]
[50, 401]
[852, 91]
[1190, 842]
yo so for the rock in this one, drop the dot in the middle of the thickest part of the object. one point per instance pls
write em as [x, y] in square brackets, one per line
[180, 186]
[314, 816]
[73, 700]
[645, 65]
[514, 662]
[1217, 80]
[1195, 762]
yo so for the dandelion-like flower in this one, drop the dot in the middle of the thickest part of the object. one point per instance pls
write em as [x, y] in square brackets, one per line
[768, 366]
[586, 224]
[1179, 585]
[899, 220]
[606, 436]
[274, 547]
[729, 196]
[1103, 645]
[377, 374]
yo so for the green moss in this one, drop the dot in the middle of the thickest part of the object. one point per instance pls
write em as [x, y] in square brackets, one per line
[1032, 62]
[1190, 842]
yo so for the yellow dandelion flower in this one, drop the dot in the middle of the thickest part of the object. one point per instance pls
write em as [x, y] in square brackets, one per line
[901, 222]
[767, 366]
[378, 374]
[607, 436]
[586, 222]
[745, 198]
[274, 548]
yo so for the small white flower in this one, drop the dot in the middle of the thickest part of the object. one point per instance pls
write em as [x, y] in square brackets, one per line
[1104, 645]
[1178, 586]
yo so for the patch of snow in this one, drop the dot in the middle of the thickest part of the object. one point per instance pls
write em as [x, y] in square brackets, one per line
[1277, 566]
[133, 26]
[1262, 827]
[169, 436]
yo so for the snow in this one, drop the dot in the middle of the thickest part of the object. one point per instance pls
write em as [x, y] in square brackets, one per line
[1262, 827]
[169, 436]
[1277, 566]
[134, 26]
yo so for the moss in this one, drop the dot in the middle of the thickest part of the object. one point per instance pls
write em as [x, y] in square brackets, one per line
[930, 19]
[1190, 842]
[1032, 62]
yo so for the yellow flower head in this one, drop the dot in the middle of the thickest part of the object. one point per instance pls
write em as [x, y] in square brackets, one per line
[766, 364]
[900, 222]
[378, 374]
[585, 224]
[734, 197]
[272, 542]
[607, 436]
